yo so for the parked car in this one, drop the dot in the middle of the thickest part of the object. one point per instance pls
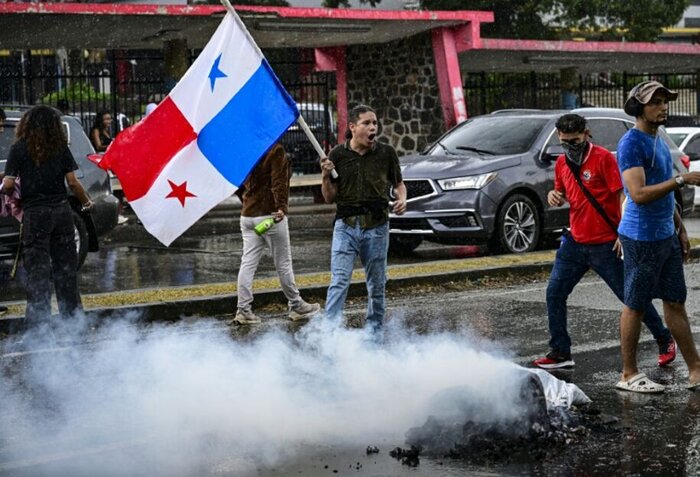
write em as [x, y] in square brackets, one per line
[88, 225]
[688, 141]
[485, 181]
[300, 151]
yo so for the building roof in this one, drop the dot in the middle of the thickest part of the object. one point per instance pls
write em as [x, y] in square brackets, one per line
[142, 26]
[138, 26]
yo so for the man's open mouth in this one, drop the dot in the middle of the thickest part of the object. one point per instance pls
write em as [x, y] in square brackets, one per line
[372, 136]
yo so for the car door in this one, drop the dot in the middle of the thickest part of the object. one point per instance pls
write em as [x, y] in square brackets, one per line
[692, 150]
[556, 218]
[607, 132]
[9, 227]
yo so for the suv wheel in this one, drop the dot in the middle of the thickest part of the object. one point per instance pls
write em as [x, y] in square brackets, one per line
[518, 225]
[403, 244]
[81, 238]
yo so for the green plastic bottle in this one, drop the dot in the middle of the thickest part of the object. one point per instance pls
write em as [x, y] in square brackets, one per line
[264, 226]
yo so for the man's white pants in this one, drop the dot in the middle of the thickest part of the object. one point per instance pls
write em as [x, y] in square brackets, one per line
[277, 240]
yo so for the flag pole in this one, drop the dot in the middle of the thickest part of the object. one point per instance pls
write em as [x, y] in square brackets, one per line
[300, 118]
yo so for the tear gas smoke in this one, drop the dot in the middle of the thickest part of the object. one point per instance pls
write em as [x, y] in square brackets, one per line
[191, 400]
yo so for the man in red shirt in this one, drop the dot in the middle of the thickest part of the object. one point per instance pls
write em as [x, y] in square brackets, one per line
[592, 240]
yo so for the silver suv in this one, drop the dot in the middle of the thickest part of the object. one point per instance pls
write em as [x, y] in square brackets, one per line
[485, 181]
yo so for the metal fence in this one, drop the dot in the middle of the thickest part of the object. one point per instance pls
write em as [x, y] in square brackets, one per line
[122, 84]
[314, 93]
[487, 92]
[125, 82]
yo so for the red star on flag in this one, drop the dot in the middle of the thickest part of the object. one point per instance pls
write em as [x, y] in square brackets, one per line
[180, 192]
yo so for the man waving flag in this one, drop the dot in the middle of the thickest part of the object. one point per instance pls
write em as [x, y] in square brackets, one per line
[197, 147]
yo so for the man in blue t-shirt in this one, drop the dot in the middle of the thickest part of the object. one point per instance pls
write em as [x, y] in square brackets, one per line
[653, 252]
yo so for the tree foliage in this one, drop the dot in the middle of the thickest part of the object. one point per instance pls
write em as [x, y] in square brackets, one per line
[513, 19]
[632, 20]
[78, 91]
[638, 20]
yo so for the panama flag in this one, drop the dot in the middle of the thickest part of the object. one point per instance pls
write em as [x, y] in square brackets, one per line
[197, 147]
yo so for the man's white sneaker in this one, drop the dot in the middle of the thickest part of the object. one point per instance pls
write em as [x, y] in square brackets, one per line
[304, 311]
[246, 317]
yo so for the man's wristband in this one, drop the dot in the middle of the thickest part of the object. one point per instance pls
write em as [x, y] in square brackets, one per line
[680, 182]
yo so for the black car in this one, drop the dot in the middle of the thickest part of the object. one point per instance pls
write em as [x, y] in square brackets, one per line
[486, 180]
[88, 226]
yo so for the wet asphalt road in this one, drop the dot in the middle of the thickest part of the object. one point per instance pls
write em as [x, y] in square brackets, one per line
[655, 435]
[652, 435]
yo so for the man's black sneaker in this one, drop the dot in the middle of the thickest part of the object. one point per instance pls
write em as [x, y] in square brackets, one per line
[554, 360]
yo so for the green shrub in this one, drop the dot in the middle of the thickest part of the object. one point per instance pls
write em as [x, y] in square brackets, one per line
[77, 92]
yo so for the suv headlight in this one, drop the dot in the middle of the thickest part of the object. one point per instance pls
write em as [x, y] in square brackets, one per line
[467, 182]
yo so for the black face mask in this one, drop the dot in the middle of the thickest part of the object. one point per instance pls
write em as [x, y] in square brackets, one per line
[575, 152]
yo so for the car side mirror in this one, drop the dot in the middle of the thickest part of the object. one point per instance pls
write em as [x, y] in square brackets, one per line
[552, 152]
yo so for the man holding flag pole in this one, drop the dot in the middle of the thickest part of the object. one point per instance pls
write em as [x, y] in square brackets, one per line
[367, 170]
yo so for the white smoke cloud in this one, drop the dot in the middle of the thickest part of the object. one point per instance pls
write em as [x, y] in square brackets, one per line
[192, 400]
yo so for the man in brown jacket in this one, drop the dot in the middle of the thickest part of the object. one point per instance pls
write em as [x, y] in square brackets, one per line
[265, 194]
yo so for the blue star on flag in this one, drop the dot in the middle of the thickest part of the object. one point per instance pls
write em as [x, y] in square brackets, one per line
[215, 72]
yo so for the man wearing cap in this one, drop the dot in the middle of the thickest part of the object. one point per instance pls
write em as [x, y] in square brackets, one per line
[653, 251]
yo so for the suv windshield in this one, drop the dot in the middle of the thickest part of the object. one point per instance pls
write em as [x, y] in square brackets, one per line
[491, 136]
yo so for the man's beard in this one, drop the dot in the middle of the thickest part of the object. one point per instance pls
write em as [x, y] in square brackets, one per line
[657, 123]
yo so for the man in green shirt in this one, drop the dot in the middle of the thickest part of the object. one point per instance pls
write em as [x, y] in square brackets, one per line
[366, 170]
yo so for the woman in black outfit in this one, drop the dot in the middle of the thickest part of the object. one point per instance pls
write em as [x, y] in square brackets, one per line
[101, 132]
[41, 158]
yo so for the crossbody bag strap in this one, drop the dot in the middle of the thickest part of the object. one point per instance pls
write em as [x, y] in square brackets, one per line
[596, 205]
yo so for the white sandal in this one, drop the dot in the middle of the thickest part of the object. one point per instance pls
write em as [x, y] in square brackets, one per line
[639, 383]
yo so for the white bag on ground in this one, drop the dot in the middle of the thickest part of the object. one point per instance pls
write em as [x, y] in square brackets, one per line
[559, 393]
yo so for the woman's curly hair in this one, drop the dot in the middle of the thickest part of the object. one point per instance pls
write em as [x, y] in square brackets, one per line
[41, 129]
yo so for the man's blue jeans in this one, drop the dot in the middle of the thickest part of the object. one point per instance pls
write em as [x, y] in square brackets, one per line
[572, 261]
[372, 246]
